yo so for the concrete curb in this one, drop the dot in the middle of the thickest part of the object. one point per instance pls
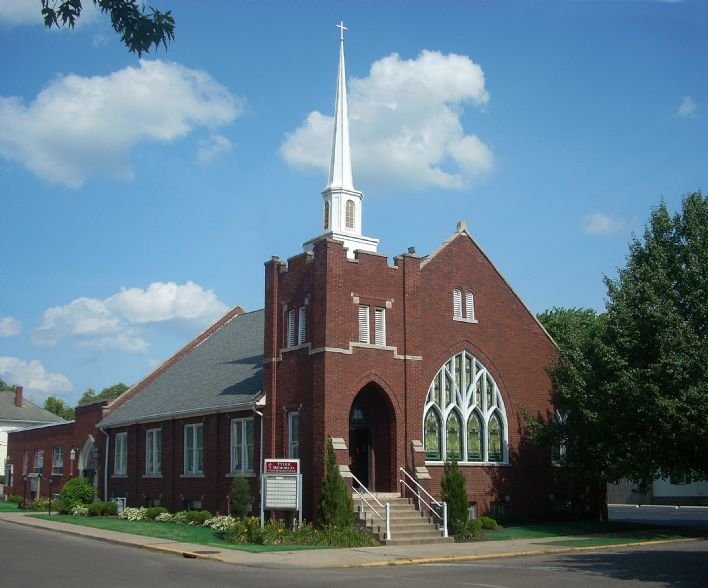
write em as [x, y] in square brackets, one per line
[507, 555]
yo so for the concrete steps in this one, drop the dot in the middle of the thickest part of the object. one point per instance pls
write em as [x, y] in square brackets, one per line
[408, 525]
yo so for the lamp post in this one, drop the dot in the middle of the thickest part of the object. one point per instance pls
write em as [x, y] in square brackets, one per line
[72, 457]
[24, 494]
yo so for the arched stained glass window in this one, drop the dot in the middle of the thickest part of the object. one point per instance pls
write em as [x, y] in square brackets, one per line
[453, 433]
[474, 438]
[349, 214]
[495, 439]
[464, 416]
[432, 436]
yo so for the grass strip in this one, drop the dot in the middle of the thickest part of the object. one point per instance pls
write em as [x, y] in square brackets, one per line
[8, 506]
[575, 528]
[170, 532]
[614, 540]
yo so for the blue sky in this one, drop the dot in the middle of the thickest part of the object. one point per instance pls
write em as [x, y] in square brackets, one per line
[139, 200]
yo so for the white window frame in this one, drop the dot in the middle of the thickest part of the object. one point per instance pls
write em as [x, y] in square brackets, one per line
[350, 215]
[457, 303]
[469, 306]
[38, 461]
[477, 393]
[380, 326]
[120, 462]
[153, 452]
[242, 445]
[302, 325]
[294, 439]
[364, 331]
[57, 461]
[291, 334]
[197, 451]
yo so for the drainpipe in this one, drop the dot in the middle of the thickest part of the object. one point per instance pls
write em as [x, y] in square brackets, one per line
[105, 465]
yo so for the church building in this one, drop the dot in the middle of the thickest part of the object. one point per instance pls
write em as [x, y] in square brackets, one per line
[404, 364]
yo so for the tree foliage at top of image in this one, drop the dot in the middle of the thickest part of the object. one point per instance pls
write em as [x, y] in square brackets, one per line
[57, 406]
[109, 393]
[633, 381]
[5, 387]
[140, 28]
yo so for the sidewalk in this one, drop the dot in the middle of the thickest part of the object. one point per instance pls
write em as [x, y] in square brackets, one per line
[316, 558]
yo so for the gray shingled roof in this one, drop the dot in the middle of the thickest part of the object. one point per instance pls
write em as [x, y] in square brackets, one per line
[28, 412]
[224, 370]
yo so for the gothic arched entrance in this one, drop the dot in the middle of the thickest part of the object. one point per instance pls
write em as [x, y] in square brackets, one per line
[372, 435]
[88, 461]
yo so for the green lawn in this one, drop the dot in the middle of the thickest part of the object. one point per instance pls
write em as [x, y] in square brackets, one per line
[170, 531]
[7, 506]
[621, 539]
[604, 532]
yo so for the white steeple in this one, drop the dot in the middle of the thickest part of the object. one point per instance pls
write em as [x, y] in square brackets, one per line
[342, 202]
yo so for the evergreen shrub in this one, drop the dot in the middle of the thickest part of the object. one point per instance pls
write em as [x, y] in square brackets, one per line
[154, 511]
[488, 523]
[453, 489]
[335, 506]
[198, 517]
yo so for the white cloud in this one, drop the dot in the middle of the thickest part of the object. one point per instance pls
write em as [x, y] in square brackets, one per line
[115, 323]
[9, 326]
[33, 377]
[406, 124]
[598, 223]
[687, 107]
[29, 12]
[212, 148]
[80, 126]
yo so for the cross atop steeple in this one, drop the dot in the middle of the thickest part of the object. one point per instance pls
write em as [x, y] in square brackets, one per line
[342, 201]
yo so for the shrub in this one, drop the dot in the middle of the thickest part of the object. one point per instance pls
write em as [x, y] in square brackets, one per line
[240, 497]
[180, 517]
[243, 531]
[14, 498]
[165, 517]
[469, 531]
[335, 507]
[110, 509]
[134, 514]
[221, 523]
[79, 511]
[198, 517]
[488, 523]
[95, 509]
[76, 491]
[453, 488]
[154, 511]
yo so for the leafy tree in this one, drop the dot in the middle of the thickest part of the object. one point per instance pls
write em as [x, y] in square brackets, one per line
[657, 332]
[453, 490]
[4, 387]
[109, 393]
[633, 382]
[139, 28]
[335, 506]
[59, 408]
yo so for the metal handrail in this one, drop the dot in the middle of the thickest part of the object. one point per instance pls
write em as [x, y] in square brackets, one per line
[443, 517]
[386, 507]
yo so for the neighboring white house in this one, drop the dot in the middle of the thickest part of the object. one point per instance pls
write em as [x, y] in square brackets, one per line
[16, 413]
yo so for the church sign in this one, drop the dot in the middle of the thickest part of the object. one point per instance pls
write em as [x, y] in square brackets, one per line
[282, 486]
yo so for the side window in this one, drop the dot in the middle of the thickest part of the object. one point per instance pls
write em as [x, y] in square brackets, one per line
[457, 303]
[364, 324]
[349, 214]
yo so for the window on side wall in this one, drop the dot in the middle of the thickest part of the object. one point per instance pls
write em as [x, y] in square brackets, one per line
[120, 464]
[302, 325]
[153, 452]
[294, 435]
[38, 461]
[58, 461]
[292, 335]
[242, 446]
[194, 449]
[457, 303]
[380, 326]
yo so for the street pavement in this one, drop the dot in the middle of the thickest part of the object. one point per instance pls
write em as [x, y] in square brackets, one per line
[652, 514]
[314, 558]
